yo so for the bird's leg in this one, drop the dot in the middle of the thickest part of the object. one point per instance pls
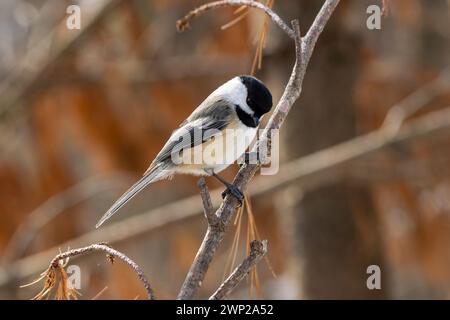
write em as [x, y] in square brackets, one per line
[230, 188]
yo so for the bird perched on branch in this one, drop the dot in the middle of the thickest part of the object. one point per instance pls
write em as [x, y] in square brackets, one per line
[214, 136]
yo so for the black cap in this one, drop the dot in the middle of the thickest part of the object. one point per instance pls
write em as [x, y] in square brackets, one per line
[259, 98]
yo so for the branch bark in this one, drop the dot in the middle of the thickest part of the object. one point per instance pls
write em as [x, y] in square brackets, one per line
[258, 249]
[184, 23]
[103, 247]
[208, 208]
[303, 50]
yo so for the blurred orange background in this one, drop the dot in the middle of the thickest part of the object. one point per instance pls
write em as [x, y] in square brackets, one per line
[83, 113]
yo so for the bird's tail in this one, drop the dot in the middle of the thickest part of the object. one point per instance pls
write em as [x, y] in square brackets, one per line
[152, 175]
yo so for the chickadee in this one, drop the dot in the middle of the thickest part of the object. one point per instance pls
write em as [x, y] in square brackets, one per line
[214, 136]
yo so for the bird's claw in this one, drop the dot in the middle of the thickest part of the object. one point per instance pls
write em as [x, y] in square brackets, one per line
[235, 192]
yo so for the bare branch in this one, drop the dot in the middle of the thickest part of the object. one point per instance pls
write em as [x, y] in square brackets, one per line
[183, 23]
[291, 93]
[208, 208]
[258, 249]
[102, 247]
[317, 27]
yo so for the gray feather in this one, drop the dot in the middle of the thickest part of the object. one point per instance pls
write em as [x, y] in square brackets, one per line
[216, 115]
[157, 173]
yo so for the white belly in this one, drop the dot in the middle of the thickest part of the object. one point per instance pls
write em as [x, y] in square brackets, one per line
[218, 153]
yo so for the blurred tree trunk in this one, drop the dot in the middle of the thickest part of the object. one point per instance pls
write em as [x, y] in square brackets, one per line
[331, 232]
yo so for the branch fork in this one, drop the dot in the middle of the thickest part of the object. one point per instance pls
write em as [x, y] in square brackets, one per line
[258, 249]
[303, 49]
[219, 220]
[60, 261]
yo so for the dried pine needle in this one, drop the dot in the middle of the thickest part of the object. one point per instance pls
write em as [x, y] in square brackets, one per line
[99, 293]
[261, 42]
[261, 37]
[234, 21]
[231, 260]
[256, 233]
[55, 275]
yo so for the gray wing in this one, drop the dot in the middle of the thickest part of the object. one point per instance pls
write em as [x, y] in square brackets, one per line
[198, 128]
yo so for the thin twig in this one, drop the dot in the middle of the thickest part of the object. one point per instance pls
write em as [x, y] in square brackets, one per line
[183, 23]
[102, 247]
[317, 27]
[208, 208]
[291, 93]
[258, 249]
[261, 43]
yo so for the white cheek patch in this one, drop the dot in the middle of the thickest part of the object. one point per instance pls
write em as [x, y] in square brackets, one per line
[235, 92]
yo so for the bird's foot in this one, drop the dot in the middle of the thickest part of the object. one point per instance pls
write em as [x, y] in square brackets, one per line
[235, 192]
